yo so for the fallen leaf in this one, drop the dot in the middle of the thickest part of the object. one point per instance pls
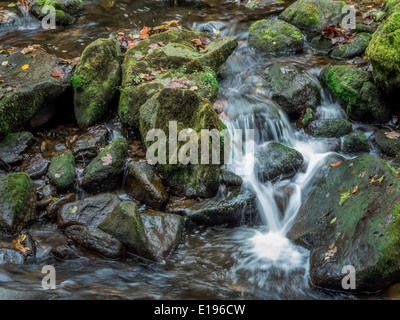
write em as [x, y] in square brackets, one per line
[392, 134]
[28, 50]
[58, 175]
[24, 67]
[57, 74]
[351, 164]
[153, 46]
[326, 258]
[355, 190]
[144, 33]
[335, 164]
[333, 220]
[73, 209]
[176, 84]
[139, 57]
[107, 159]
[344, 195]
[372, 179]
[381, 178]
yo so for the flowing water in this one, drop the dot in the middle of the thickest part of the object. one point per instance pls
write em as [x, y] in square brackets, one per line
[245, 262]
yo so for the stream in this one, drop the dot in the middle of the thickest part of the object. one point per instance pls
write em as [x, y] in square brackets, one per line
[257, 262]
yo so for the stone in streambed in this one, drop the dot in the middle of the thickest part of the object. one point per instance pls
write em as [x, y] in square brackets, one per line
[36, 166]
[352, 49]
[329, 128]
[390, 147]
[62, 171]
[66, 11]
[88, 145]
[144, 184]
[104, 172]
[96, 241]
[14, 145]
[355, 142]
[95, 81]
[275, 37]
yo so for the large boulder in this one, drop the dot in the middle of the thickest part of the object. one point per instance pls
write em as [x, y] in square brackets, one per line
[95, 81]
[275, 37]
[32, 81]
[329, 128]
[153, 236]
[390, 147]
[17, 202]
[356, 92]
[104, 172]
[66, 10]
[13, 146]
[383, 53]
[277, 161]
[170, 59]
[351, 49]
[347, 219]
[313, 16]
[293, 89]
[189, 111]
[144, 184]
[355, 142]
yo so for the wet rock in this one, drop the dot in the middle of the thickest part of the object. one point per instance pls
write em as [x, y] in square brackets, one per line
[361, 231]
[355, 142]
[230, 179]
[277, 161]
[14, 145]
[190, 111]
[330, 128]
[64, 252]
[35, 166]
[355, 92]
[32, 88]
[176, 62]
[392, 6]
[88, 145]
[313, 16]
[275, 37]
[43, 203]
[293, 89]
[144, 184]
[307, 117]
[46, 191]
[11, 256]
[390, 147]
[96, 241]
[237, 208]
[153, 236]
[351, 49]
[66, 10]
[62, 171]
[56, 204]
[17, 202]
[90, 211]
[321, 44]
[105, 171]
[381, 53]
[7, 18]
[95, 80]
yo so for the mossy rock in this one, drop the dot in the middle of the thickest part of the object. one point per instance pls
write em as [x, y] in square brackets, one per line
[66, 10]
[33, 88]
[307, 117]
[390, 147]
[352, 49]
[152, 236]
[392, 6]
[292, 88]
[384, 55]
[14, 145]
[313, 16]
[176, 61]
[189, 110]
[275, 37]
[17, 202]
[330, 128]
[322, 44]
[356, 92]
[360, 229]
[62, 171]
[95, 81]
[104, 172]
[355, 142]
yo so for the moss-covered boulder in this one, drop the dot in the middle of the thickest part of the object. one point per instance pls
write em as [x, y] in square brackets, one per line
[313, 16]
[351, 49]
[392, 6]
[329, 128]
[66, 10]
[383, 53]
[355, 142]
[17, 202]
[29, 86]
[104, 172]
[348, 220]
[95, 81]
[307, 117]
[276, 161]
[144, 184]
[390, 147]
[88, 145]
[153, 236]
[187, 110]
[292, 88]
[170, 59]
[62, 171]
[356, 92]
[14, 145]
[275, 37]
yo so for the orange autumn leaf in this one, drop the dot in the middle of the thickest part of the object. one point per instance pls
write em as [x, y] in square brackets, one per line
[335, 164]
[57, 74]
[144, 33]
[24, 67]
[372, 179]
[355, 190]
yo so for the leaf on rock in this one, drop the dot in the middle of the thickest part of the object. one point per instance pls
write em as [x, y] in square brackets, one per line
[176, 84]
[73, 209]
[107, 159]
[381, 178]
[344, 195]
[28, 50]
[335, 164]
[355, 190]
[333, 220]
[392, 134]
[24, 67]
[57, 74]
[144, 33]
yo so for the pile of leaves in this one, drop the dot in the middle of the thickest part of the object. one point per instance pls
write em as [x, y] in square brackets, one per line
[337, 34]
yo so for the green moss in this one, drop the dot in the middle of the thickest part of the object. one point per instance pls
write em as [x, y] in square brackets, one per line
[392, 6]
[333, 128]
[307, 118]
[62, 171]
[309, 16]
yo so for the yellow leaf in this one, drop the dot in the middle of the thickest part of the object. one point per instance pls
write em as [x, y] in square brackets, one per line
[24, 67]
[326, 258]
[355, 190]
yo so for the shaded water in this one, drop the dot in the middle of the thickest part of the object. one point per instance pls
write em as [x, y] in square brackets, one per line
[215, 263]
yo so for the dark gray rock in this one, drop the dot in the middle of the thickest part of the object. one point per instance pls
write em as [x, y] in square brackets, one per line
[14, 145]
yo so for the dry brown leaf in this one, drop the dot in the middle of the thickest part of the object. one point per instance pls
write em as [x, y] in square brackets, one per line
[107, 159]
[392, 134]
